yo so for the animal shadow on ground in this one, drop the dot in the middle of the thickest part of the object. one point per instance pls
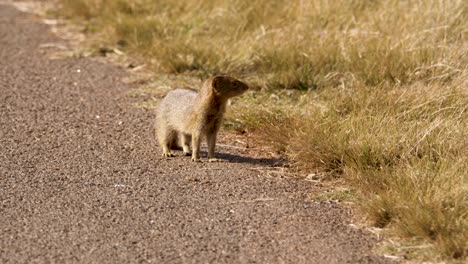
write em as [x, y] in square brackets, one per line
[234, 158]
[245, 159]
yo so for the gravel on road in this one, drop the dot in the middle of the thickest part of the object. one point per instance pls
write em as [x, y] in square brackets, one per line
[82, 179]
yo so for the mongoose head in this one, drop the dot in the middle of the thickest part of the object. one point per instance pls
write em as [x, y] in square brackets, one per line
[227, 87]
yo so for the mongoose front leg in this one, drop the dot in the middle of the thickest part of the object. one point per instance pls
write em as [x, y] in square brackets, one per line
[196, 146]
[211, 140]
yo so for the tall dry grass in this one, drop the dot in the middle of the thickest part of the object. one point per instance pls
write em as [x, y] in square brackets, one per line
[289, 44]
[380, 90]
[404, 149]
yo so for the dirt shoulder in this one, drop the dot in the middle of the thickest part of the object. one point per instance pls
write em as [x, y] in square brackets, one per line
[83, 181]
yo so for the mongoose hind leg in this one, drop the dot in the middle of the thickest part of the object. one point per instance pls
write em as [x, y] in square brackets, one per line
[166, 146]
[165, 138]
[185, 140]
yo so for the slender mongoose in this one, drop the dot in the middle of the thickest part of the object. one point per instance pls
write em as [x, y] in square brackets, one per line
[186, 116]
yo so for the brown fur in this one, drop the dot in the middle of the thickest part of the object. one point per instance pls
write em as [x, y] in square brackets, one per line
[185, 116]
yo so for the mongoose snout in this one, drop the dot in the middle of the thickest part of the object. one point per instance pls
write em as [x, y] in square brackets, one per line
[185, 116]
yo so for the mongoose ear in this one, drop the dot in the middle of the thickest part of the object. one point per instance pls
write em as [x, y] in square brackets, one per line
[216, 82]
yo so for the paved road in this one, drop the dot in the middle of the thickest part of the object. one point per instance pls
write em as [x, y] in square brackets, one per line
[81, 179]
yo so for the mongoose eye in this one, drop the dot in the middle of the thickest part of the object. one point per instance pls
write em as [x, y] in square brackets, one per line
[235, 84]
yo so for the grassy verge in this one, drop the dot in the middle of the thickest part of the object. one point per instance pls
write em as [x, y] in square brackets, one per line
[374, 92]
[403, 148]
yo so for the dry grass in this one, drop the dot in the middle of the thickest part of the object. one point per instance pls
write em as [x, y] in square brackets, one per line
[374, 92]
[288, 44]
[403, 148]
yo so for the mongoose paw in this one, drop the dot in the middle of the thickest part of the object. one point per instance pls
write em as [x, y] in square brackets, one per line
[168, 155]
[214, 160]
[196, 159]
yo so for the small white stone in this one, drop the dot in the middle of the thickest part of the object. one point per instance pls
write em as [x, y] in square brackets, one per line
[312, 177]
[391, 257]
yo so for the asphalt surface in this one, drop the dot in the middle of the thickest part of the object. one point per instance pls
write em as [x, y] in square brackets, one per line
[82, 180]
